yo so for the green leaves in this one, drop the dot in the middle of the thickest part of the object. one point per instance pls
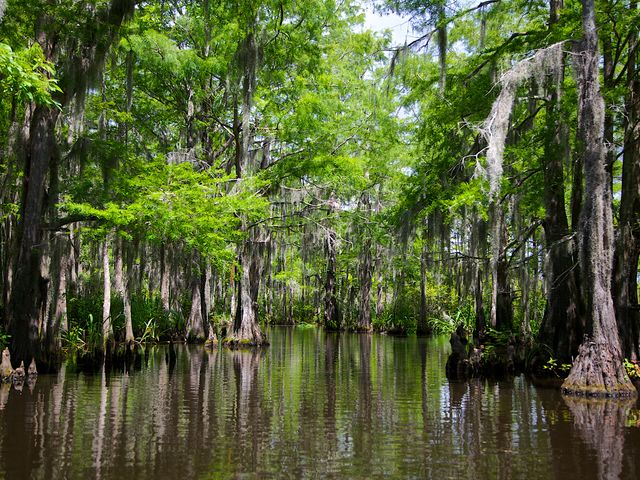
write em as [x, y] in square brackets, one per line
[175, 203]
[26, 75]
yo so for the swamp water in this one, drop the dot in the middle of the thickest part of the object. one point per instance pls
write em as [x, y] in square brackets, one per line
[312, 405]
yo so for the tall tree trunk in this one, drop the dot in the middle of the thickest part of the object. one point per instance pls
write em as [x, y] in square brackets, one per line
[477, 249]
[26, 293]
[598, 368]
[364, 313]
[195, 324]
[625, 283]
[331, 310]
[379, 289]
[107, 328]
[563, 326]
[501, 299]
[165, 270]
[126, 293]
[207, 292]
[246, 330]
[58, 322]
[121, 286]
[233, 289]
[421, 328]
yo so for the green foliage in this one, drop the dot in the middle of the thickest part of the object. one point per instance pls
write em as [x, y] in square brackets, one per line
[174, 203]
[399, 318]
[632, 368]
[559, 370]
[84, 315]
[441, 326]
[94, 331]
[150, 333]
[27, 76]
[73, 339]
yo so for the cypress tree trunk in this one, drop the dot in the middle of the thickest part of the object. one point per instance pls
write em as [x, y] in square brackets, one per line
[331, 311]
[126, 295]
[563, 326]
[598, 368]
[625, 283]
[364, 313]
[121, 286]
[26, 293]
[477, 249]
[84, 60]
[195, 324]
[246, 330]
[501, 300]
[421, 328]
[165, 270]
[107, 328]
[442, 46]
[58, 310]
[379, 290]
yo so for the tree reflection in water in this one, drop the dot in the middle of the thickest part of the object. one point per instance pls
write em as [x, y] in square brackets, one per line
[312, 405]
[601, 424]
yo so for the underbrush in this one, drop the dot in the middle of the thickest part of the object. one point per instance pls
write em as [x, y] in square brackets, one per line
[150, 322]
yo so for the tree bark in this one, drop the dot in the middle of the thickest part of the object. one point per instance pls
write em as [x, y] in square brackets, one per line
[121, 286]
[58, 312]
[331, 310]
[195, 324]
[421, 328]
[165, 270]
[563, 326]
[107, 328]
[625, 283]
[126, 294]
[441, 28]
[598, 368]
[501, 299]
[364, 313]
[26, 294]
[246, 329]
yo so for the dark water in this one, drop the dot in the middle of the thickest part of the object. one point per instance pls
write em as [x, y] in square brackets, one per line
[312, 405]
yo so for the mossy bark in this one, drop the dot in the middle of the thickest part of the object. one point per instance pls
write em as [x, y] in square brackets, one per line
[246, 330]
[598, 369]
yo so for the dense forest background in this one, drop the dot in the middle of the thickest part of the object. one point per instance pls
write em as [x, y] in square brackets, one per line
[190, 170]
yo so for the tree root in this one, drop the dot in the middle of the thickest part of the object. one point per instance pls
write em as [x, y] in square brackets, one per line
[598, 372]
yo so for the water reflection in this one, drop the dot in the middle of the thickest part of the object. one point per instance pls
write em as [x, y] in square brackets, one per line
[600, 423]
[311, 405]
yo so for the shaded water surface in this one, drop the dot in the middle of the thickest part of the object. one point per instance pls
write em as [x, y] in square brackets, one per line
[312, 405]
